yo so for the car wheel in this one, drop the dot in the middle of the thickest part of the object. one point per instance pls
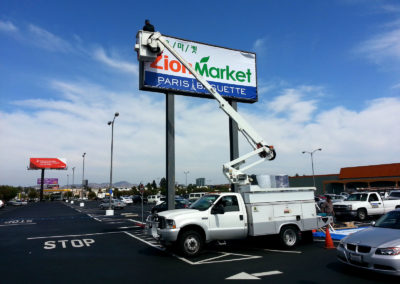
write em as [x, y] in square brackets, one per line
[190, 243]
[361, 214]
[289, 236]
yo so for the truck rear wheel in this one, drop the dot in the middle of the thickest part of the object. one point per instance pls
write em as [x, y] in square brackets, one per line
[361, 214]
[289, 236]
[190, 243]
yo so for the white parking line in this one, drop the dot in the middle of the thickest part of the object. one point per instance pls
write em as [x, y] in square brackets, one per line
[284, 251]
[146, 242]
[67, 236]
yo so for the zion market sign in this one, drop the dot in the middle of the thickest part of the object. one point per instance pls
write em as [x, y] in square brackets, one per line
[231, 72]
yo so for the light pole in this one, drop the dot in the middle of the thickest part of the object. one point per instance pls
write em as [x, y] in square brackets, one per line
[67, 181]
[312, 161]
[186, 173]
[83, 174]
[73, 177]
[112, 145]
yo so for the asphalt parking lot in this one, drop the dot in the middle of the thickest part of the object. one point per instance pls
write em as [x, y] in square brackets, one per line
[58, 242]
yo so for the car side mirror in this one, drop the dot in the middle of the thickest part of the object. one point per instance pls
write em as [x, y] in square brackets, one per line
[218, 209]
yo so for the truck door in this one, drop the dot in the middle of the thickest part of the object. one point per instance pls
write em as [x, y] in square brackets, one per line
[376, 204]
[227, 219]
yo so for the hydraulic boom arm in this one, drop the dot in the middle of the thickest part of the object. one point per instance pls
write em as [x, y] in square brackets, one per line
[149, 45]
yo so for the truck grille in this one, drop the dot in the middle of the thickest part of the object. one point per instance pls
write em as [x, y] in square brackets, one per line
[161, 222]
[340, 208]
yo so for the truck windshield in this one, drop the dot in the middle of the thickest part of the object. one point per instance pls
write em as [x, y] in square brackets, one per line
[395, 194]
[358, 197]
[204, 203]
[391, 220]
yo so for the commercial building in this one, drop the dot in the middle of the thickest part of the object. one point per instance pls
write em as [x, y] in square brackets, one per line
[200, 181]
[380, 178]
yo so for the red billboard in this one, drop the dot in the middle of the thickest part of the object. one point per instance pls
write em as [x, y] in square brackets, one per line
[48, 163]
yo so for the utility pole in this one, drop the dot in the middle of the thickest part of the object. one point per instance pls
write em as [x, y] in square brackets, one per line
[312, 161]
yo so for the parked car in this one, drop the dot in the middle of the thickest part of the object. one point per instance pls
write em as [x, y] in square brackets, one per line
[2, 204]
[193, 197]
[344, 194]
[138, 199]
[180, 203]
[154, 198]
[115, 204]
[17, 202]
[364, 204]
[394, 194]
[376, 248]
[126, 199]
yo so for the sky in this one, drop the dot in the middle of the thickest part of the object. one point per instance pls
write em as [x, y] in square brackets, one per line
[328, 77]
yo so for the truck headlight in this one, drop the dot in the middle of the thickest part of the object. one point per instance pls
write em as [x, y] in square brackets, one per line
[170, 224]
[388, 251]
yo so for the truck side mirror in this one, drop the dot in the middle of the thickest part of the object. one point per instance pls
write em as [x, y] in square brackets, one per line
[218, 209]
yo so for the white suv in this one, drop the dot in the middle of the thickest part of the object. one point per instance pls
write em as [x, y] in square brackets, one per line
[2, 204]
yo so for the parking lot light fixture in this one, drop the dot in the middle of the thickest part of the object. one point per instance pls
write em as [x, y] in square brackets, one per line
[312, 161]
[111, 166]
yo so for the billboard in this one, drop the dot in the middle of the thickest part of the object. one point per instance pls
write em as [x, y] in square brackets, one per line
[48, 163]
[231, 72]
[48, 181]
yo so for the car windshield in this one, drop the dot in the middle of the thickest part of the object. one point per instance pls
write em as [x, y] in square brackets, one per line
[204, 203]
[390, 220]
[357, 197]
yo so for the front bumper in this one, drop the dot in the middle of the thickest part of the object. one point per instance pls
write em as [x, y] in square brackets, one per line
[380, 263]
[352, 213]
[152, 228]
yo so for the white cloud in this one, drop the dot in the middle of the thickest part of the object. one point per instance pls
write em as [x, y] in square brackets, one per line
[100, 55]
[47, 40]
[383, 47]
[7, 27]
[259, 46]
[77, 123]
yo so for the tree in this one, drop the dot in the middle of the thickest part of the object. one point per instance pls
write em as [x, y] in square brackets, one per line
[68, 194]
[92, 195]
[8, 192]
[163, 183]
[154, 185]
[32, 194]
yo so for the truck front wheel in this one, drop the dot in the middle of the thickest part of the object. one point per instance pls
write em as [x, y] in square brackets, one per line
[190, 243]
[289, 236]
[361, 214]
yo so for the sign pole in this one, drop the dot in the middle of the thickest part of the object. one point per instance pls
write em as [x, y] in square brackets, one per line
[41, 186]
[170, 149]
[233, 141]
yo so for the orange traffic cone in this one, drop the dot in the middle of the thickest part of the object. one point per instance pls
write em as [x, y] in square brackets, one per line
[328, 239]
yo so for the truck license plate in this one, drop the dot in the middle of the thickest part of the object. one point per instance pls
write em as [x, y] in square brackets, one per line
[355, 257]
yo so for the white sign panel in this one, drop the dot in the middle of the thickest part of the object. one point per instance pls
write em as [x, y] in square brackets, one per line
[231, 72]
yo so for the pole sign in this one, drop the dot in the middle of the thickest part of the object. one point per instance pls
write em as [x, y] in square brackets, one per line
[48, 181]
[231, 72]
[48, 163]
